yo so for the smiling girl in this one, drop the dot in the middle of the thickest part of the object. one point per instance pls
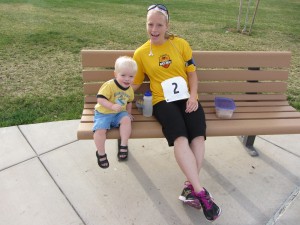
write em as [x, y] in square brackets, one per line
[167, 61]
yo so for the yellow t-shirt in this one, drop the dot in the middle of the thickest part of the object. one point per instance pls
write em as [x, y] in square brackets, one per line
[113, 92]
[168, 60]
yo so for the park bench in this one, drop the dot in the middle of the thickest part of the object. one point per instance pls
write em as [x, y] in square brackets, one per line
[256, 80]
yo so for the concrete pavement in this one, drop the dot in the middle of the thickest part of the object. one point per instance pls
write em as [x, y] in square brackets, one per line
[48, 177]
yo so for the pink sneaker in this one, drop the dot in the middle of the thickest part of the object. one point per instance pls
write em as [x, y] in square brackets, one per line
[187, 196]
[210, 209]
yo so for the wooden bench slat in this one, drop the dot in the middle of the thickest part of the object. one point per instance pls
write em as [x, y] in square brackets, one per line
[100, 75]
[211, 109]
[252, 127]
[96, 76]
[235, 116]
[240, 97]
[211, 104]
[139, 130]
[245, 97]
[212, 116]
[93, 88]
[238, 104]
[230, 59]
[90, 111]
[260, 115]
[242, 87]
[241, 75]
[203, 75]
[241, 107]
[204, 59]
[214, 128]
[102, 58]
[256, 109]
[217, 87]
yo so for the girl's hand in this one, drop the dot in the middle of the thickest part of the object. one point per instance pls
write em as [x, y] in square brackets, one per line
[191, 105]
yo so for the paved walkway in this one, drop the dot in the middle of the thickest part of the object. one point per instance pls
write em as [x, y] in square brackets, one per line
[47, 177]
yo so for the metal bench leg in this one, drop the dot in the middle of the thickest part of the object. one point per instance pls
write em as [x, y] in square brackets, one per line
[248, 143]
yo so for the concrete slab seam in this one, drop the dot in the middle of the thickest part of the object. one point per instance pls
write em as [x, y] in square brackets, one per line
[280, 147]
[5, 168]
[36, 155]
[50, 175]
[284, 206]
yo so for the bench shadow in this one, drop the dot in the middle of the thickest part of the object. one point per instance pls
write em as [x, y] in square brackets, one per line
[159, 201]
[154, 194]
[235, 193]
[241, 198]
[196, 216]
[275, 165]
[280, 168]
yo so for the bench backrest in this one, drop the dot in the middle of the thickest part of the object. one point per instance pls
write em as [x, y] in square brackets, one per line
[241, 75]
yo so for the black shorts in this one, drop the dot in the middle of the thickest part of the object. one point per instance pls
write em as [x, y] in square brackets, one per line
[176, 122]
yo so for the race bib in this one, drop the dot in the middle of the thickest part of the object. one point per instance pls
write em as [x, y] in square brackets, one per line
[175, 89]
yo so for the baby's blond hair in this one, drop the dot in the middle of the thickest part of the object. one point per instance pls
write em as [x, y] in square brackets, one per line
[125, 62]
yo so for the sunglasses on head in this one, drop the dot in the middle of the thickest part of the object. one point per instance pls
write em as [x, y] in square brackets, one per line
[160, 7]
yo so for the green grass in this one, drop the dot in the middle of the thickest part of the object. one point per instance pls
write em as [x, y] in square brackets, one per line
[40, 41]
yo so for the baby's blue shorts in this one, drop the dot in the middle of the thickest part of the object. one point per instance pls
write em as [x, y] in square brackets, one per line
[107, 121]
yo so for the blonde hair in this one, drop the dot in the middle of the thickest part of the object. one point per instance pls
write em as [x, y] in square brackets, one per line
[125, 62]
[168, 34]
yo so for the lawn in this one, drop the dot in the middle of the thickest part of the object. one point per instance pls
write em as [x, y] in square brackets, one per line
[40, 42]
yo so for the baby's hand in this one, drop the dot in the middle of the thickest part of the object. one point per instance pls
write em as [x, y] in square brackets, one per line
[116, 107]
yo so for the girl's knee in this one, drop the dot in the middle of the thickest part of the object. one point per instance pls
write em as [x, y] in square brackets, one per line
[199, 139]
[180, 140]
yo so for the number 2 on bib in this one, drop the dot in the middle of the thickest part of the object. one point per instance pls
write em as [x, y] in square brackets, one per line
[175, 89]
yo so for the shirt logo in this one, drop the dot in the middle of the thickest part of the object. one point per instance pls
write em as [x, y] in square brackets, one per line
[165, 61]
[121, 98]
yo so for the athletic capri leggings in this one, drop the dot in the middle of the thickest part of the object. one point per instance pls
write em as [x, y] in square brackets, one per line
[176, 122]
